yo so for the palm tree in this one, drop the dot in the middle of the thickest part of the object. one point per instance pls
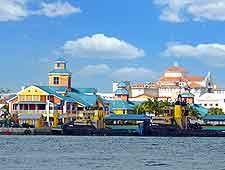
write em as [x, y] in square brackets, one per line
[153, 106]
[215, 111]
[193, 113]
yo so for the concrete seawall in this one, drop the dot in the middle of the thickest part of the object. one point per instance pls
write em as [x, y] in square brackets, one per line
[28, 131]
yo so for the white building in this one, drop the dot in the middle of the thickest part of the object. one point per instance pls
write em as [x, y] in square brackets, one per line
[174, 81]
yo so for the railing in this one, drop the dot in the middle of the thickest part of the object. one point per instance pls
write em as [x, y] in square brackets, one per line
[32, 112]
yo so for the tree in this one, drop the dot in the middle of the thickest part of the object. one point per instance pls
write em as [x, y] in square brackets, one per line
[153, 106]
[215, 111]
[194, 113]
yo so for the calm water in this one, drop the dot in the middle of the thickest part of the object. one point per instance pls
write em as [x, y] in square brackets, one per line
[107, 153]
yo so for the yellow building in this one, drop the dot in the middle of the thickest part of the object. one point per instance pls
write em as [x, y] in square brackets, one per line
[58, 102]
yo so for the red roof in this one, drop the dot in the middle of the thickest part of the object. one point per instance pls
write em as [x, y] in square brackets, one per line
[194, 85]
[163, 78]
[194, 78]
[176, 69]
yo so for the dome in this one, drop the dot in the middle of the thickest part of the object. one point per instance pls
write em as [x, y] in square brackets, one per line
[60, 60]
[122, 92]
[122, 84]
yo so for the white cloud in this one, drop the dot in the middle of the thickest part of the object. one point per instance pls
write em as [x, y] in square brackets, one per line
[57, 9]
[212, 54]
[12, 10]
[90, 70]
[134, 74]
[197, 10]
[101, 46]
[123, 73]
[15, 10]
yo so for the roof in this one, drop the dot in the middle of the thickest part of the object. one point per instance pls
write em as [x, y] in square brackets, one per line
[194, 78]
[163, 78]
[60, 71]
[202, 110]
[194, 85]
[121, 104]
[121, 92]
[214, 117]
[176, 69]
[60, 60]
[187, 94]
[122, 84]
[87, 90]
[127, 117]
[75, 95]
[87, 100]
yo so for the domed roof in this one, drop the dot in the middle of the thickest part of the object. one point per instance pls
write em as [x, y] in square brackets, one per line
[121, 92]
[60, 59]
[122, 84]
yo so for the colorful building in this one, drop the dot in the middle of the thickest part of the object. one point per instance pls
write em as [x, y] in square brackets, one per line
[121, 104]
[58, 102]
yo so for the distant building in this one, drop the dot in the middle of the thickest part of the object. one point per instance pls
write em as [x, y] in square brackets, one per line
[174, 81]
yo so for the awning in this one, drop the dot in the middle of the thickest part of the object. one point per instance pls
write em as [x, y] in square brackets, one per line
[137, 117]
[29, 116]
[67, 116]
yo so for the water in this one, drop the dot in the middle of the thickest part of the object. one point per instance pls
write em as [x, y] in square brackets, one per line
[109, 153]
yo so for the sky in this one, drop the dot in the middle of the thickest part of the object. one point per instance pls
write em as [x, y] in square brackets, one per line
[106, 40]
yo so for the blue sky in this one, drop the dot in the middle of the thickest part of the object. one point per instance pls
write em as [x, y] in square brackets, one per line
[110, 40]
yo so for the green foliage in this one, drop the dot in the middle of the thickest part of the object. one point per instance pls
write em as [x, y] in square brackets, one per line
[153, 106]
[194, 113]
[216, 111]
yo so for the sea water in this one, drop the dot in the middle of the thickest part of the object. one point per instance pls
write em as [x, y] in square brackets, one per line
[111, 153]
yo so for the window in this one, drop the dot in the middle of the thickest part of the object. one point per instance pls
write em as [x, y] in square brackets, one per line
[211, 104]
[205, 104]
[56, 80]
[58, 65]
[216, 104]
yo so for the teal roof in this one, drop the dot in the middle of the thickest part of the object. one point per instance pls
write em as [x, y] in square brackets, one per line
[187, 94]
[61, 59]
[127, 117]
[60, 71]
[73, 96]
[121, 104]
[214, 117]
[122, 84]
[87, 90]
[202, 110]
[87, 100]
[121, 92]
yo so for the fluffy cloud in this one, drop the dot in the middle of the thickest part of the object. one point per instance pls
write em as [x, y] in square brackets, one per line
[212, 54]
[123, 73]
[101, 46]
[57, 9]
[90, 70]
[14, 10]
[134, 74]
[197, 10]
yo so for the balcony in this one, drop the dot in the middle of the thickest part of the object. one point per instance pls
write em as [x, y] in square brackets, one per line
[32, 112]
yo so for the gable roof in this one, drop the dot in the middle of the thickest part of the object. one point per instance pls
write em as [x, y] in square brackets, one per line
[121, 104]
[121, 92]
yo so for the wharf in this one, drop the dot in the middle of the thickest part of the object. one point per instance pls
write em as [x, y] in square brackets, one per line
[30, 131]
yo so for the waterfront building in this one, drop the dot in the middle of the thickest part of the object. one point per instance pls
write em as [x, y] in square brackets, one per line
[121, 103]
[201, 90]
[58, 101]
